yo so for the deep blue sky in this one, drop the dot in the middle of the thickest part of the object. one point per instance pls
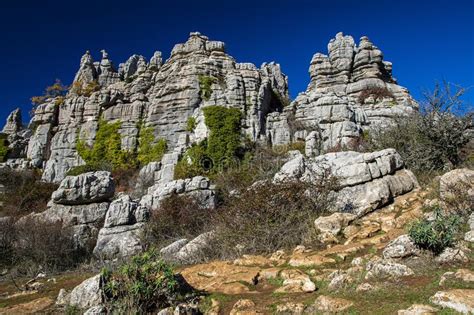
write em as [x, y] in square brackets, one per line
[44, 40]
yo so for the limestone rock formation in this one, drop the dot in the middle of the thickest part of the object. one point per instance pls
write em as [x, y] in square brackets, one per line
[161, 95]
[366, 181]
[197, 187]
[85, 188]
[342, 99]
[120, 236]
[351, 90]
[13, 123]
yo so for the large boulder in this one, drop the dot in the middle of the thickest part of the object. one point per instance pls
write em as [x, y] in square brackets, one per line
[460, 300]
[86, 188]
[87, 294]
[456, 182]
[365, 181]
[400, 247]
[197, 187]
[121, 234]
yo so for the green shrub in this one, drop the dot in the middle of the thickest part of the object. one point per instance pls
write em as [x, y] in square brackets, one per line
[435, 235]
[221, 150]
[224, 137]
[148, 151]
[194, 162]
[191, 124]
[107, 148]
[143, 286]
[205, 86]
[3, 147]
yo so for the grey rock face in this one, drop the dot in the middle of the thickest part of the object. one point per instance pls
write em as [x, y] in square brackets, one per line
[161, 95]
[170, 251]
[366, 181]
[87, 294]
[194, 251]
[197, 187]
[120, 236]
[459, 179]
[332, 104]
[13, 123]
[86, 188]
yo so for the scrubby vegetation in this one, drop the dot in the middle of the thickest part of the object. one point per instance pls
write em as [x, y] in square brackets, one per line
[81, 89]
[437, 234]
[177, 217]
[56, 90]
[29, 246]
[221, 149]
[148, 150]
[144, 285]
[270, 217]
[431, 140]
[24, 192]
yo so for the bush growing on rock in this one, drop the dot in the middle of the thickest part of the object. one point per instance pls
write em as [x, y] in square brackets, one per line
[378, 93]
[107, 148]
[220, 151]
[430, 140]
[437, 234]
[148, 151]
[205, 86]
[144, 285]
[55, 90]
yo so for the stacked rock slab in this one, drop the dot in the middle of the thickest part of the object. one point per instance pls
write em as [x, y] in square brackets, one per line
[153, 94]
[365, 181]
[124, 223]
[331, 103]
[80, 203]
[198, 187]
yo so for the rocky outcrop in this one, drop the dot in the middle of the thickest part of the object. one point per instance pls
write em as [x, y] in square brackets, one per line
[87, 294]
[365, 181]
[197, 187]
[161, 95]
[460, 300]
[124, 223]
[351, 90]
[199, 73]
[86, 188]
[13, 123]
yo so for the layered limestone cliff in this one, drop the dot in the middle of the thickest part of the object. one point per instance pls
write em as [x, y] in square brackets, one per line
[336, 108]
[163, 96]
